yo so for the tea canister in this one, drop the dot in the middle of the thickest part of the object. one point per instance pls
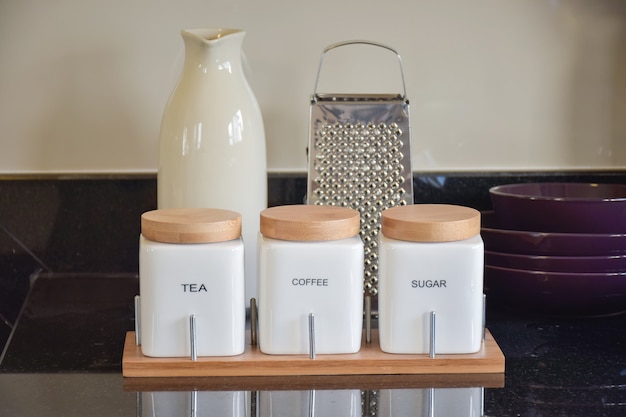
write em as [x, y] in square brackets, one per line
[430, 275]
[191, 263]
[310, 266]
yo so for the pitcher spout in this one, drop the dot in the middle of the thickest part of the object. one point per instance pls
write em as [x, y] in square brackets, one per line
[210, 47]
[211, 34]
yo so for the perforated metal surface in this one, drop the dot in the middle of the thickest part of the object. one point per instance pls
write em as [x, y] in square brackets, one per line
[359, 157]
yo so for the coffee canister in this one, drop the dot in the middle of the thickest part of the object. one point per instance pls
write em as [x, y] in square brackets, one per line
[430, 280]
[310, 280]
[191, 272]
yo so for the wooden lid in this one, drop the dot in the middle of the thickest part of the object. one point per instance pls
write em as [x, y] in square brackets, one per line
[191, 225]
[309, 223]
[431, 223]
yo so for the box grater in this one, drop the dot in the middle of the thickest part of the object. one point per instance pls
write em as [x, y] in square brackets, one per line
[360, 157]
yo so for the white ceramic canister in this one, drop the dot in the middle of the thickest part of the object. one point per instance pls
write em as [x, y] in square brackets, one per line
[191, 262]
[430, 260]
[310, 262]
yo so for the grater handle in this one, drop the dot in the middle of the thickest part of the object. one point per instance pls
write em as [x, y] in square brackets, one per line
[359, 42]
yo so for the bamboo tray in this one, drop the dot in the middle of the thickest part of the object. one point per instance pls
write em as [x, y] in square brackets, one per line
[309, 382]
[370, 360]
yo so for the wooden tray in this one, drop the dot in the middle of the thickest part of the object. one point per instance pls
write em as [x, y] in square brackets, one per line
[370, 360]
[309, 382]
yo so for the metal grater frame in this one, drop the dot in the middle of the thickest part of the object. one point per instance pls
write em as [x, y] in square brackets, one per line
[360, 157]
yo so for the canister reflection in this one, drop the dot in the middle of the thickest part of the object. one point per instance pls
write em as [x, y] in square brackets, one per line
[424, 402]
[310, 403]
[430, 402]
[194, 404]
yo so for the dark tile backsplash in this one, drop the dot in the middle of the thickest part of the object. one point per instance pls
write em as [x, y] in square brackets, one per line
[92, 224]
[66, 225]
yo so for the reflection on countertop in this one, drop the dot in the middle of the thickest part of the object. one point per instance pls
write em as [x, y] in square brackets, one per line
[76, 394]
[69, 339]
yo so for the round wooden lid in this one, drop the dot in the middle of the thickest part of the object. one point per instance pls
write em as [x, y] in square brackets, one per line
[191, 225]
[431, 223]
[309, 223]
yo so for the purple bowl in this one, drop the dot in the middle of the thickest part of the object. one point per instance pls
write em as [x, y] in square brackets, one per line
[572, 264]
[561, 207]
[499, 239]
[556, 293]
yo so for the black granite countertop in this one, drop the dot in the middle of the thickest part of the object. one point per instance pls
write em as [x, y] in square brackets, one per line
[69, 338]
[67, 325]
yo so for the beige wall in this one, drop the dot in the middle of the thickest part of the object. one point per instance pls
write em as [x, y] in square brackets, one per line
[493, 84]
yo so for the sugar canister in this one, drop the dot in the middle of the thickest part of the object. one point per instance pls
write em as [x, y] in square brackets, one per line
[310, 280]
[430, 280]
[191, 271]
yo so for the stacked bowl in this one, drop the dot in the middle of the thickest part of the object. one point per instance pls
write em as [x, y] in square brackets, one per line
[557, 248]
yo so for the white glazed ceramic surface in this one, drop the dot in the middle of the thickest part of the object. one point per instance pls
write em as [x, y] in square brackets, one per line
[417, 278]
[205, 279]
[212, 140]
[299, 278]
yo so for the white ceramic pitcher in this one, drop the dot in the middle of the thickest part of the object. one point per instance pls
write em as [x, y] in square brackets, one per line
[212, 140]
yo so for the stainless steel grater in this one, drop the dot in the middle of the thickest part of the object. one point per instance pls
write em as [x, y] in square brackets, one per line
[360, 157]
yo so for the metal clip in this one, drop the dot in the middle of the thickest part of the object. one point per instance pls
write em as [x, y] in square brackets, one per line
[431, 351]
[137, 320]
[254, 319]
[193, 337]
[484, 317]
[311, 336]
[368, 319]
